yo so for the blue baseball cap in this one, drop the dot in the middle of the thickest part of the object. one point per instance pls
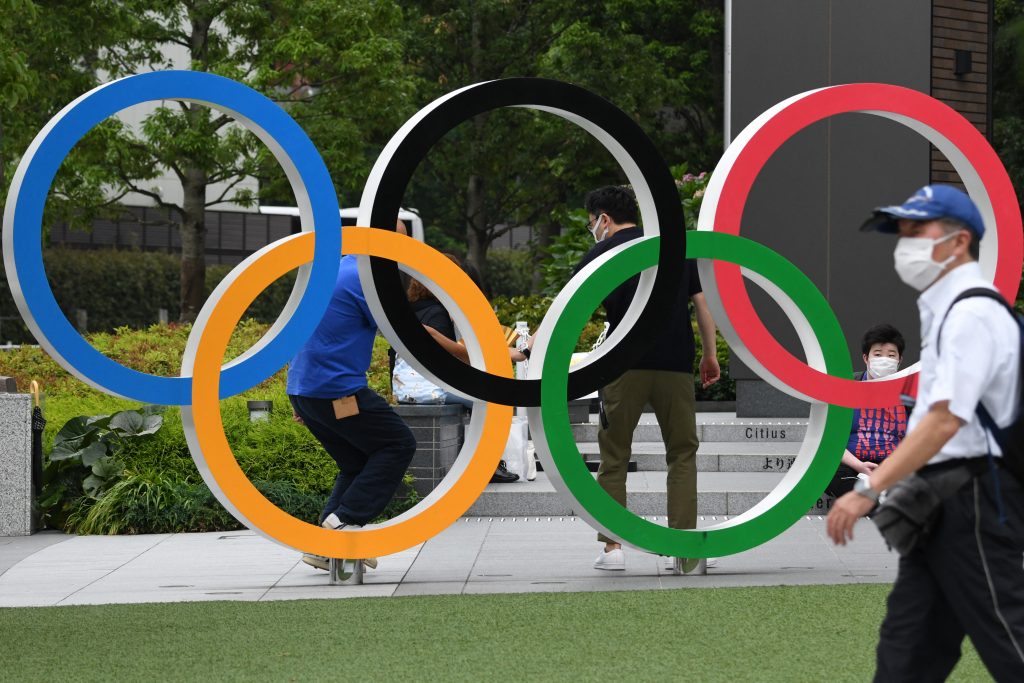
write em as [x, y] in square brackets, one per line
[928, 203]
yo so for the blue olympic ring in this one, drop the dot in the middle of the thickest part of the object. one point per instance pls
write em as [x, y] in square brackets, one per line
[22, 240]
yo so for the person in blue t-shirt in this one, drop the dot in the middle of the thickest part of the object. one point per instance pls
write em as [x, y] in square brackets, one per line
[876, 431]
[329, 395]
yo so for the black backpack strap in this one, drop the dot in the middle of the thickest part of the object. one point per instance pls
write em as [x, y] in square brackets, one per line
[970, 294]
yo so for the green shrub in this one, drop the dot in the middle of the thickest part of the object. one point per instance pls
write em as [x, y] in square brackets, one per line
[509, 272]
[87, 458]
[531, 309]
[125, 288]
[566, 250]
[280, 456]
[161, 490]
[143, 503]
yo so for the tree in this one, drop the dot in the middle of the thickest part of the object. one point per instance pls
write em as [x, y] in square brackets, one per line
[329, 63]
[1008, 96]
[656, 59]
[49, 55]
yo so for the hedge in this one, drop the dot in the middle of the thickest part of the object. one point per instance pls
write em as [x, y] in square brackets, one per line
[121, 288]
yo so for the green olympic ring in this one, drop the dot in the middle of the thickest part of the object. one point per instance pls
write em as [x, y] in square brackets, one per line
[766, 520]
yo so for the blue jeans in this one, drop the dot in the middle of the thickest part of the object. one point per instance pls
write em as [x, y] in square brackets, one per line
[373, 449]
[452, 399]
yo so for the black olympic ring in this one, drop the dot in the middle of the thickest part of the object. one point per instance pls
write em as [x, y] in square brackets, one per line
[646, 170]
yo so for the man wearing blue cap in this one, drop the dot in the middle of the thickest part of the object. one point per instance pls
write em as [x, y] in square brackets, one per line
[963, 573]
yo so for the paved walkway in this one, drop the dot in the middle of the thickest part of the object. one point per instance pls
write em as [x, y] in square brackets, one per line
[475, 555]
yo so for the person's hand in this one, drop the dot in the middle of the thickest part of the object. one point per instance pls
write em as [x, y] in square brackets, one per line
[844, 515]
[295, 416]
[710, 372]
[862, 467]
[516, 355]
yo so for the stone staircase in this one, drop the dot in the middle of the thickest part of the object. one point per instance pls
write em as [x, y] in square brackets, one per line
[739, 462]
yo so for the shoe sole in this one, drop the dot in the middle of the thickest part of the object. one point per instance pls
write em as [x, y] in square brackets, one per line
[369, 562]
[607, 568]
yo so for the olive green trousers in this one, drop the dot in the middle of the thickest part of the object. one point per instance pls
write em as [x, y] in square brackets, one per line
[671, 396]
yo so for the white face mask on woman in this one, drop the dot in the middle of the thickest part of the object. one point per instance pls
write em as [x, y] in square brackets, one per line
[914, 263]
[882, 366]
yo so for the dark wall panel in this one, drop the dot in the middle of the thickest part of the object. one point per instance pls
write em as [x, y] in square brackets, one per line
[817, 189]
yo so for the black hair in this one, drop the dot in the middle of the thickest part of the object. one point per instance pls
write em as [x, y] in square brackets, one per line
[951, 225]
[616, 201]
[882, 334]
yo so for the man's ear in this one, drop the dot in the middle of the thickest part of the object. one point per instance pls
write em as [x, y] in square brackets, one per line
[965, 242]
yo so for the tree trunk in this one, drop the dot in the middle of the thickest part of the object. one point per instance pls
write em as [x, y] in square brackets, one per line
[193, 185]
[476, 233]
[476, 214]
[193, 243]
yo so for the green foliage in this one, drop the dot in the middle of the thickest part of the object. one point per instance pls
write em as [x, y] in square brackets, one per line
[1008, 97]
[509, 272]
[725, 388]
[50, 53]
[156, 471]
[378, 377]
[565, 251]
[691, 191]
[142, 503]
[658, 60]
[86, 459]
[155, 350]
[116, 288]
[532, 308]
[101, 282]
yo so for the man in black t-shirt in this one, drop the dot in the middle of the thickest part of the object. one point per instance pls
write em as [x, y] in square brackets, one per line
[663, 377]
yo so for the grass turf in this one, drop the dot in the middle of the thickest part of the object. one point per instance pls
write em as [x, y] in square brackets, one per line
[809, 633]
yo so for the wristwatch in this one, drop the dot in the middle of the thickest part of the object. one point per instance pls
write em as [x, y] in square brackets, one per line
[863, 487]
[526, 352]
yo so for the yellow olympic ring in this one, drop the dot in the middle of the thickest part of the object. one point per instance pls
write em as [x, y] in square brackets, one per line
[217, 462]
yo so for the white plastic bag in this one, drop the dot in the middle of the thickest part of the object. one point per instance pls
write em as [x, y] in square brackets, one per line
[516, 455]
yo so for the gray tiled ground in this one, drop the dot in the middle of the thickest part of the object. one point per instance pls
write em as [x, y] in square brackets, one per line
[475, 555]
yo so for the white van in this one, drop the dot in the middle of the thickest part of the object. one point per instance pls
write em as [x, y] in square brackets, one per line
[349, 216]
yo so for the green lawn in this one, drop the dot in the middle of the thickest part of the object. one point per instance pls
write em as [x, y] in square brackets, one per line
[815, 633]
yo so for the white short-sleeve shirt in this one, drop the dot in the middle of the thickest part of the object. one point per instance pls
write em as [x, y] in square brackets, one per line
[979, 361]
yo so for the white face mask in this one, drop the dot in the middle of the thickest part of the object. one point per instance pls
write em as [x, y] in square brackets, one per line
[882, 366]
[914, 262]
[596, 231]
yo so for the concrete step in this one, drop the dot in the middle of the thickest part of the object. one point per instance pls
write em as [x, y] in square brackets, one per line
[713, 456]
[711, 429]
[718, 493]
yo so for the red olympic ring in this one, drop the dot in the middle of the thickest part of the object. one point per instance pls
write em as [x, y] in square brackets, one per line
[974, 159]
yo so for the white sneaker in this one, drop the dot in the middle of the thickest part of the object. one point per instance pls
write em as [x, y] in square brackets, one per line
[317, 561]
[331, 521]
[612, 560]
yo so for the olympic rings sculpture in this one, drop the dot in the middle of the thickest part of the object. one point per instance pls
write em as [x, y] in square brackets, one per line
[725, 258]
